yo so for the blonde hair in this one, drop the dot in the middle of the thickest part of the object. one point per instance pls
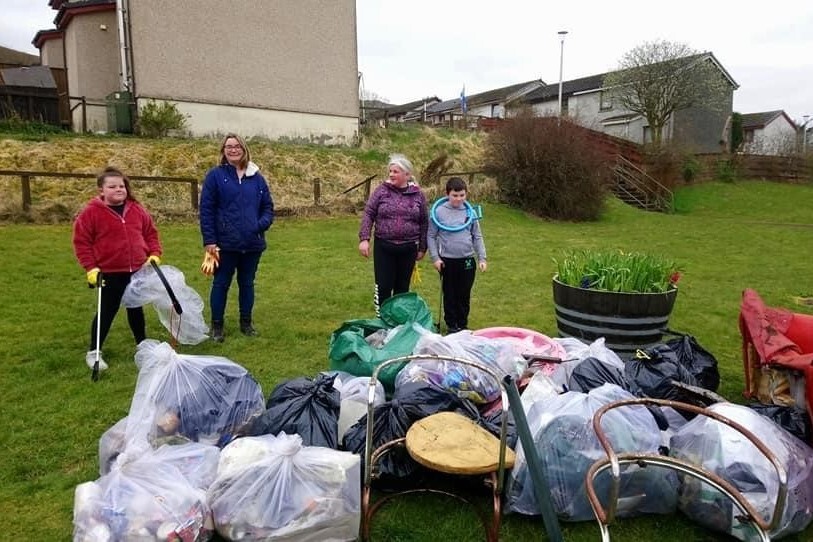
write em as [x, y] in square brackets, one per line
[246, 153]
[402, 162]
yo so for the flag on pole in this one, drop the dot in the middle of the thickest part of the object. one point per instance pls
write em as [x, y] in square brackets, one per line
[463, 105]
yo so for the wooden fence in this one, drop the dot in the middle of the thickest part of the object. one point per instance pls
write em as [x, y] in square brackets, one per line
[26, 177]
[32, 104]
[756, 166]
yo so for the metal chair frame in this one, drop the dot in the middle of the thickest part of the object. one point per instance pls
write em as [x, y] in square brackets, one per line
[613, 461]
[496, 479]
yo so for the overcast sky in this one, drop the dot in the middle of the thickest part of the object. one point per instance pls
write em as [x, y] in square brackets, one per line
[410, 49]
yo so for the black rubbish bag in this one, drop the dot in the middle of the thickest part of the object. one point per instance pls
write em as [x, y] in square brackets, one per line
[592, 373]
[650, 373]
[491, 422]
[699, 361]
[792, 419]
[411, 402]
[304, 406]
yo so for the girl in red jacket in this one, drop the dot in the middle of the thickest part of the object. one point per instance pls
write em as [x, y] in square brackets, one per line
[114, 235]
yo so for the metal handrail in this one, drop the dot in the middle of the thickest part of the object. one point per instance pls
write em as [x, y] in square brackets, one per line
[663, 197]
[614, 461]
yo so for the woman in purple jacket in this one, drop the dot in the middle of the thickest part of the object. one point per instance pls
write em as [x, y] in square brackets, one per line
[399, 211]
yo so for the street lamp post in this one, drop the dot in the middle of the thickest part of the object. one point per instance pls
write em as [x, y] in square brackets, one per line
[562, 34]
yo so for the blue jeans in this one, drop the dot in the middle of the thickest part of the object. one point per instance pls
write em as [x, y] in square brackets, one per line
[245, 263]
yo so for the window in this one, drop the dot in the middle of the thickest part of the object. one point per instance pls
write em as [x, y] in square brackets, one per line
[647, 134]
[749, 136]
[605, 100]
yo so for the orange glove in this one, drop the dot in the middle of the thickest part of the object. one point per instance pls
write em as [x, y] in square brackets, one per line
[210, 263]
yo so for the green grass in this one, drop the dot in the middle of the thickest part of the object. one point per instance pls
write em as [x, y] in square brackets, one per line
[727, 237]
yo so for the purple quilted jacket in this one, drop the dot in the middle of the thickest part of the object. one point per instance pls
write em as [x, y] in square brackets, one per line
[399, 215]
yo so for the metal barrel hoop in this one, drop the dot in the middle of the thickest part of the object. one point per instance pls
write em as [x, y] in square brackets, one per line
[613, 462]
[371, 455]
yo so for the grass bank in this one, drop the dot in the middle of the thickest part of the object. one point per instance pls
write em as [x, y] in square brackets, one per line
[291, 168]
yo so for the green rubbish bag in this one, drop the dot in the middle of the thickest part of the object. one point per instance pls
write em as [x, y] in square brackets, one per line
[351, 353]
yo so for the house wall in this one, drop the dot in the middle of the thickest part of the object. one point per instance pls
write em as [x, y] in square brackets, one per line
[92, 64]
[777, 137]
[299, 58]
[52, 53]
[698, 129]
[489, 110]
[213, 119]
[701, 129]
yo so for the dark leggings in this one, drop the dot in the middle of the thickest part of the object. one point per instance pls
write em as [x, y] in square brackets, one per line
[393, 265]
[112, 292]
[458, 279]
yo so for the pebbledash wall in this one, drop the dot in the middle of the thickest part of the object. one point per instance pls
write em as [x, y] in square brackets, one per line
[260, 68]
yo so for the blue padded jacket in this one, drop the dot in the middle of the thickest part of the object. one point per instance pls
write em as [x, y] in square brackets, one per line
[235, 213]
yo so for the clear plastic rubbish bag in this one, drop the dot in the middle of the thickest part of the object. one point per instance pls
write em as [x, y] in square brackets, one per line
[182, 397]
[466, 381]
[146, 499]
[562, 428]
[146, 287]
[274, 488]
[726, 452]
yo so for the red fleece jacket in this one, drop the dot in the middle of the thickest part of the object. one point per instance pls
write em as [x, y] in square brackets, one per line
[114, 243]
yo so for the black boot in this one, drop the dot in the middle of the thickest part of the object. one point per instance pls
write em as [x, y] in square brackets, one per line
[217, 331]
[246, 328]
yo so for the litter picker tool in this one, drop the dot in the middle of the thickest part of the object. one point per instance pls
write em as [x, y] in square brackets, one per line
[440, 307]
[94, 375]
[176, 305]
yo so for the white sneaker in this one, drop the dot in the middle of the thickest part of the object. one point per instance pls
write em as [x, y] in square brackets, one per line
[90, 359]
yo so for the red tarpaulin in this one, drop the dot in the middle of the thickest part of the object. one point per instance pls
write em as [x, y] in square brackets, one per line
[776, 338]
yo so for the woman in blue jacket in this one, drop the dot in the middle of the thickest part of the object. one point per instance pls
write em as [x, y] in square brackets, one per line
[236, 209]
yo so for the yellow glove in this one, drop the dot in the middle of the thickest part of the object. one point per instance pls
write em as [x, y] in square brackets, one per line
[416, 276]
[93, 277]
[210, 263]
[153, 258]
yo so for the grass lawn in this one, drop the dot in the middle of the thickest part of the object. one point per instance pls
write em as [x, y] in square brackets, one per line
[727, 237]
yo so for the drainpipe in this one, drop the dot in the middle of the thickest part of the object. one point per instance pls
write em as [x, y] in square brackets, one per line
[124, 74]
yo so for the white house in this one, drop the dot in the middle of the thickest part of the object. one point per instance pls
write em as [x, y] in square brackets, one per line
[768, 132]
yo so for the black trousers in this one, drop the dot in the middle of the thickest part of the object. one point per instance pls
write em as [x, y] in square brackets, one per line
[112, 292]
[393, 264]
[457, 280]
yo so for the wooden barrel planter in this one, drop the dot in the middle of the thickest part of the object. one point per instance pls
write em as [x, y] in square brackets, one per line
[627, 321]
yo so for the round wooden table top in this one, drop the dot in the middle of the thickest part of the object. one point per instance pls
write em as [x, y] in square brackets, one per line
[452, 443]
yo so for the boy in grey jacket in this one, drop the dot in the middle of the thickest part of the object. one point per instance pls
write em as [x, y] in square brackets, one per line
[453, 239]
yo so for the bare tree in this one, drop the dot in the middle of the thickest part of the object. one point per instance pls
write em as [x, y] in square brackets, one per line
[658, 78]
[372, 96]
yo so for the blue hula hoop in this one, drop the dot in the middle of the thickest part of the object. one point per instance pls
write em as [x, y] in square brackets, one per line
[470, 216]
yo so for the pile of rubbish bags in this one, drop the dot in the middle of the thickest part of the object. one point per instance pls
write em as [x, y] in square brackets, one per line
[202, 450]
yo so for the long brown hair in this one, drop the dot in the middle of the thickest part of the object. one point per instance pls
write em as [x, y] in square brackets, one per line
[246, 153]
[111, 171]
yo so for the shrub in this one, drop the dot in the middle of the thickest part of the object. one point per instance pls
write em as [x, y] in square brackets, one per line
[691, 168]
[548, 167]
[617, 271]
[157, 119]
[727, 171]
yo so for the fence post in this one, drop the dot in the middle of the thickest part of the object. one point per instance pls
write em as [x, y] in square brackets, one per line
[25, 182]
[367, 189]
[84, 115]
[471, 180]
[317, 191]
[193, 193]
